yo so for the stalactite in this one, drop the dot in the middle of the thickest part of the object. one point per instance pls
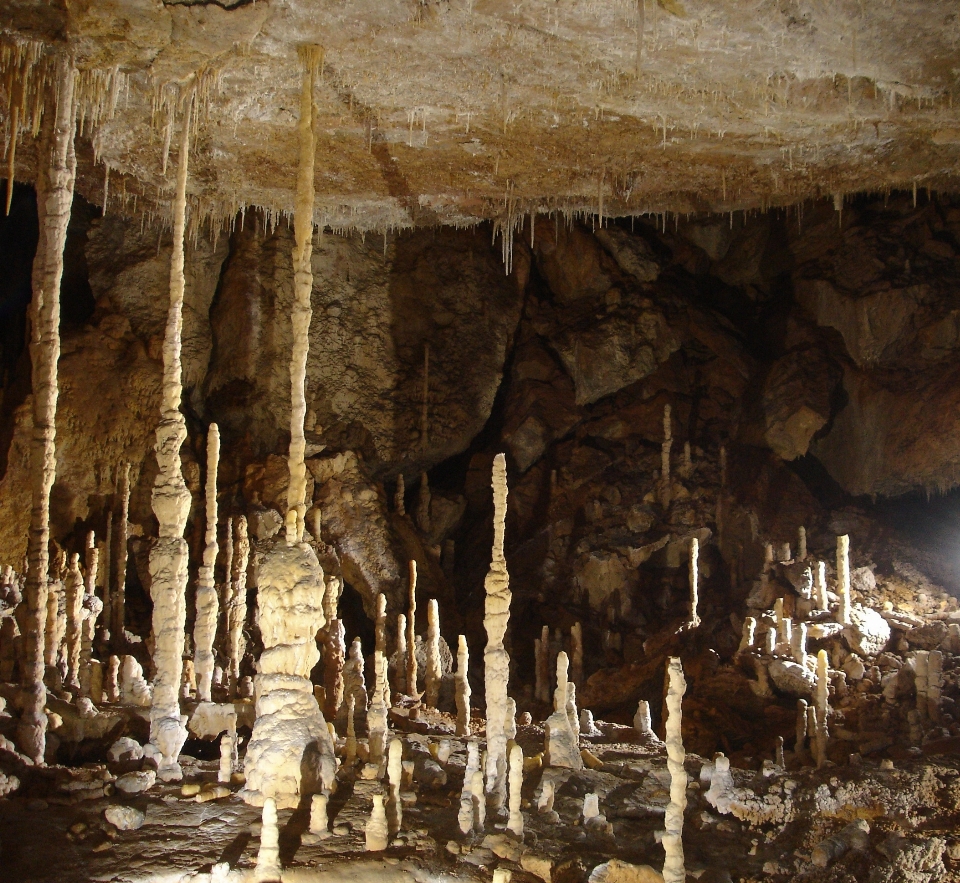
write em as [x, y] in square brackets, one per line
[412, 634]
[673, 864]
[54, 200]
[205, 625]
[463, 687]
[495, 657]
[310, 58]
[432, 672]
[171, 502]
[118, 612]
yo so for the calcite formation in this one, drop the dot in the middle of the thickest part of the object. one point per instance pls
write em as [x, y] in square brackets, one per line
[207, 600]
[462, 685]
[432, 674]
[673, 863]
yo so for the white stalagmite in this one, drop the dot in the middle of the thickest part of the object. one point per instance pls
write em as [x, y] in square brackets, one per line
[562, 731]
[465, 817]
[412, 633]
[820, 586]
[237, 609]
[822, 708]
[749, 634]
[433, 671]
[118, 611]
[462, 683]
[268, 856]
[380, 624]
[843, 578]
[318, 815]
[801, 543]
[576, 655]
[334, 652]
[226, 759]
[171, 503]
[666, 445]
[515, 820]
[694, 582]
[55, 624]
[73, 589]
[55, 180]
[400, 673]
[495, 657]
[673, 863]
[205, 624]
[353, 680]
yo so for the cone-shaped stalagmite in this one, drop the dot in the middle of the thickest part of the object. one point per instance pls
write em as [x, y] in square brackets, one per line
[54, 198]
[496, 660]
[205, 625]
[171, 503]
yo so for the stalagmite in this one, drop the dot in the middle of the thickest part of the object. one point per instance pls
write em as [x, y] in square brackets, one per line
[801, 543]
[400, 674]
[843, 578]
[666, 445]
[375, 834]
[749, 634]
[820, 586]
[171, 502]
[394, 778]
[433, 672]
[118, 612]
[350, 742]
[226, 759]
[237, 610]
[800, 745]
[91, 675]
[515, 820]
[466, 816]
[353, 680]
[380, 624]
[576, 655]
[268, 856]
[562, 745]
[541, 655]
[55, 624]
[694, 582]
[822, 708]
[73, 589]
[205, 624]
[673, 863]
[412, 634]
[55, 180]
[377, 731]
[462, 684]
[799, 645]
[334, 651]
[642, 722]
[111, 680]
[495, 658]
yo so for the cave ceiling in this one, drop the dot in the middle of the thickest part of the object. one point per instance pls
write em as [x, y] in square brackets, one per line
[469, 110]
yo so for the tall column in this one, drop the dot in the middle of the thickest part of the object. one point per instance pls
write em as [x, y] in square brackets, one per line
[118, 611]
[55, 180]
[496, 661]
[171, 503]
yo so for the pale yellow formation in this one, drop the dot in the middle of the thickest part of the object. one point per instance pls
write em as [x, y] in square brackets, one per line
[673, 862]
[73, 589]
[843, 578]
[495, 657]
[694, 582]
[311, 58]
[171, 501]
[237, 608]
[412, 634]
[118, 610]
[515, 819]
[463, 687]
[822, 708]
[55, 182]
[432, 674]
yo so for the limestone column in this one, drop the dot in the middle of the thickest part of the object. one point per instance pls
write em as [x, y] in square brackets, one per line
[237, 611]
[73, 588]
[496, 661]
[432, 674]
[171, 503]
[91, 683]
[205, 624]
[694, 583]
[412, 634]
[55, 182]
[290, 581]
[463, 687]
[843, 578]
